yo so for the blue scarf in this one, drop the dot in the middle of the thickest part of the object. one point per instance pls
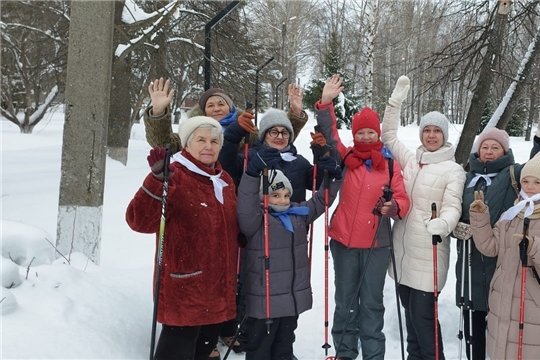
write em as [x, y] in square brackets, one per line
[284, 215]
[227, 120]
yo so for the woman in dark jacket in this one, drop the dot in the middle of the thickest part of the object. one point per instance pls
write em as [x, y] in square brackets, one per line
[197, 281]
[490, 171]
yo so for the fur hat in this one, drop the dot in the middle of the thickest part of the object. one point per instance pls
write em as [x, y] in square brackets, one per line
[437, 119]
[214, 92]
[272, 118]
[366, 118]
[498, 135]
[531, 168]
[188, 126]
[277, 180]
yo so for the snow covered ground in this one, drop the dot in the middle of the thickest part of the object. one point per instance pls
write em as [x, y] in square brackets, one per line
[83, 311]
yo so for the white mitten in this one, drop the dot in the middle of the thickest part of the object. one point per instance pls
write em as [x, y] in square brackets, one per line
[437, 227]
[400, 91]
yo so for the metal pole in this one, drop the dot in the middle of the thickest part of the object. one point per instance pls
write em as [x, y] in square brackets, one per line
[277, 87]
[257, 86]
[283, 55]
[207, 40]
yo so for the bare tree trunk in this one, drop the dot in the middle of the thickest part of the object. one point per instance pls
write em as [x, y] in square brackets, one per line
[82, 179]
[532, 112]
[481, 92]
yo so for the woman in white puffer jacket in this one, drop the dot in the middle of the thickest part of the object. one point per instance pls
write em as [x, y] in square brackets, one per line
[431, 176]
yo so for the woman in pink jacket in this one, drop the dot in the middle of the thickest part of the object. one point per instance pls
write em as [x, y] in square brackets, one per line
[360, 229]
[504, 241]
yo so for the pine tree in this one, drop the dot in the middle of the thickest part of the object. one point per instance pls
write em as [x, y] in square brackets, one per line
[345, 105]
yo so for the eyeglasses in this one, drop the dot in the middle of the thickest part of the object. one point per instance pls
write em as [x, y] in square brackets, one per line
[284, 134]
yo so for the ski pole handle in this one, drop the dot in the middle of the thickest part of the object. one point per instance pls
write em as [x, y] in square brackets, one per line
[435, 239]
[167, 162]
[524, 244]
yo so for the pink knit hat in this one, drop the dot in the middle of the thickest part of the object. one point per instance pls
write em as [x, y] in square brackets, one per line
[498, 135]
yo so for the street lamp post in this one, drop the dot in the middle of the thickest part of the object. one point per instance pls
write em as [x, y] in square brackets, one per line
[277, 87]
[257, 86]
[207, 40]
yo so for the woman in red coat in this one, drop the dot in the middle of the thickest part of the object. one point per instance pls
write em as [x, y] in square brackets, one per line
[197, 282]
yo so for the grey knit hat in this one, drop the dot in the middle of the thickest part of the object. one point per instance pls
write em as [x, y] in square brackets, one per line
[214, 92]
[188, 126]
[437, 119]
[272, 118]
[277, 180]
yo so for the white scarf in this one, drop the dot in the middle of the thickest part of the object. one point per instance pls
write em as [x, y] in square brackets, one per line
[287, 156]
[514, 210]
[477, 177]
[217, 182]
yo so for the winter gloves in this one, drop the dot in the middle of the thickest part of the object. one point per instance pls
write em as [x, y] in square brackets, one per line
[156, 161]
[386, 208]
[246, 122]
[400, 91]
[318, 146]
[437, 227]
[330, 165]
[478, 205]
[265, 158]
[529, 241]
[463, 231]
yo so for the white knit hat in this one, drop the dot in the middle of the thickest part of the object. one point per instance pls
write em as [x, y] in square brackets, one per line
[437, 119]
[277, 180]
[188, 126]
[272, 118]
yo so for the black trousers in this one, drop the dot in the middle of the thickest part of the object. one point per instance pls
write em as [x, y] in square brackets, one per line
[420, 321]
[479, 326]
[187, 342]
[278, 345]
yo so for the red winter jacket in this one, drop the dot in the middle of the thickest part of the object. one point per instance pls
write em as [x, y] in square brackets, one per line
[198, 276]
[353, 223]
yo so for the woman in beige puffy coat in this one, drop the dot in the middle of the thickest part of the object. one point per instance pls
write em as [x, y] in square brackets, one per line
[505, 289]
[430, 176]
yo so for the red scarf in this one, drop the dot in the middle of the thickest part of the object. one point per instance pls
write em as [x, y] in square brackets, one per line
[362, 152]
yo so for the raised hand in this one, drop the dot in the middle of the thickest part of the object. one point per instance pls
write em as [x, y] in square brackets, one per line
[400, 91]
[332, 88]
[160, 95]
[296, 94]
[246, 122]
[478, 205]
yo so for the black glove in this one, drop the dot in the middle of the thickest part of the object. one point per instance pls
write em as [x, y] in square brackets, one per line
[264, 158]
[330, 165]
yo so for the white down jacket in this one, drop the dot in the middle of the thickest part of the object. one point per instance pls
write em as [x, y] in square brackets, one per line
[430, 177]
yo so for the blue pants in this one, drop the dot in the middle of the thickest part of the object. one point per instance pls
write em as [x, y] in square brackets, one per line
[367, 313]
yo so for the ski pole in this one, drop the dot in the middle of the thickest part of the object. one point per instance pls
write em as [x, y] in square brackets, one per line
[523, 256]
[266, 250]
[435, 239]
[246, 153]
[326, 345]
[159, 254]
[462, 299]
[470, 306]
[235, 338]
[396, 285]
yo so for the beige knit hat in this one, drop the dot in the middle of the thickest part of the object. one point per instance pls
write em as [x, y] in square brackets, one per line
[277, 180]
[531, 168]
[188, 126]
